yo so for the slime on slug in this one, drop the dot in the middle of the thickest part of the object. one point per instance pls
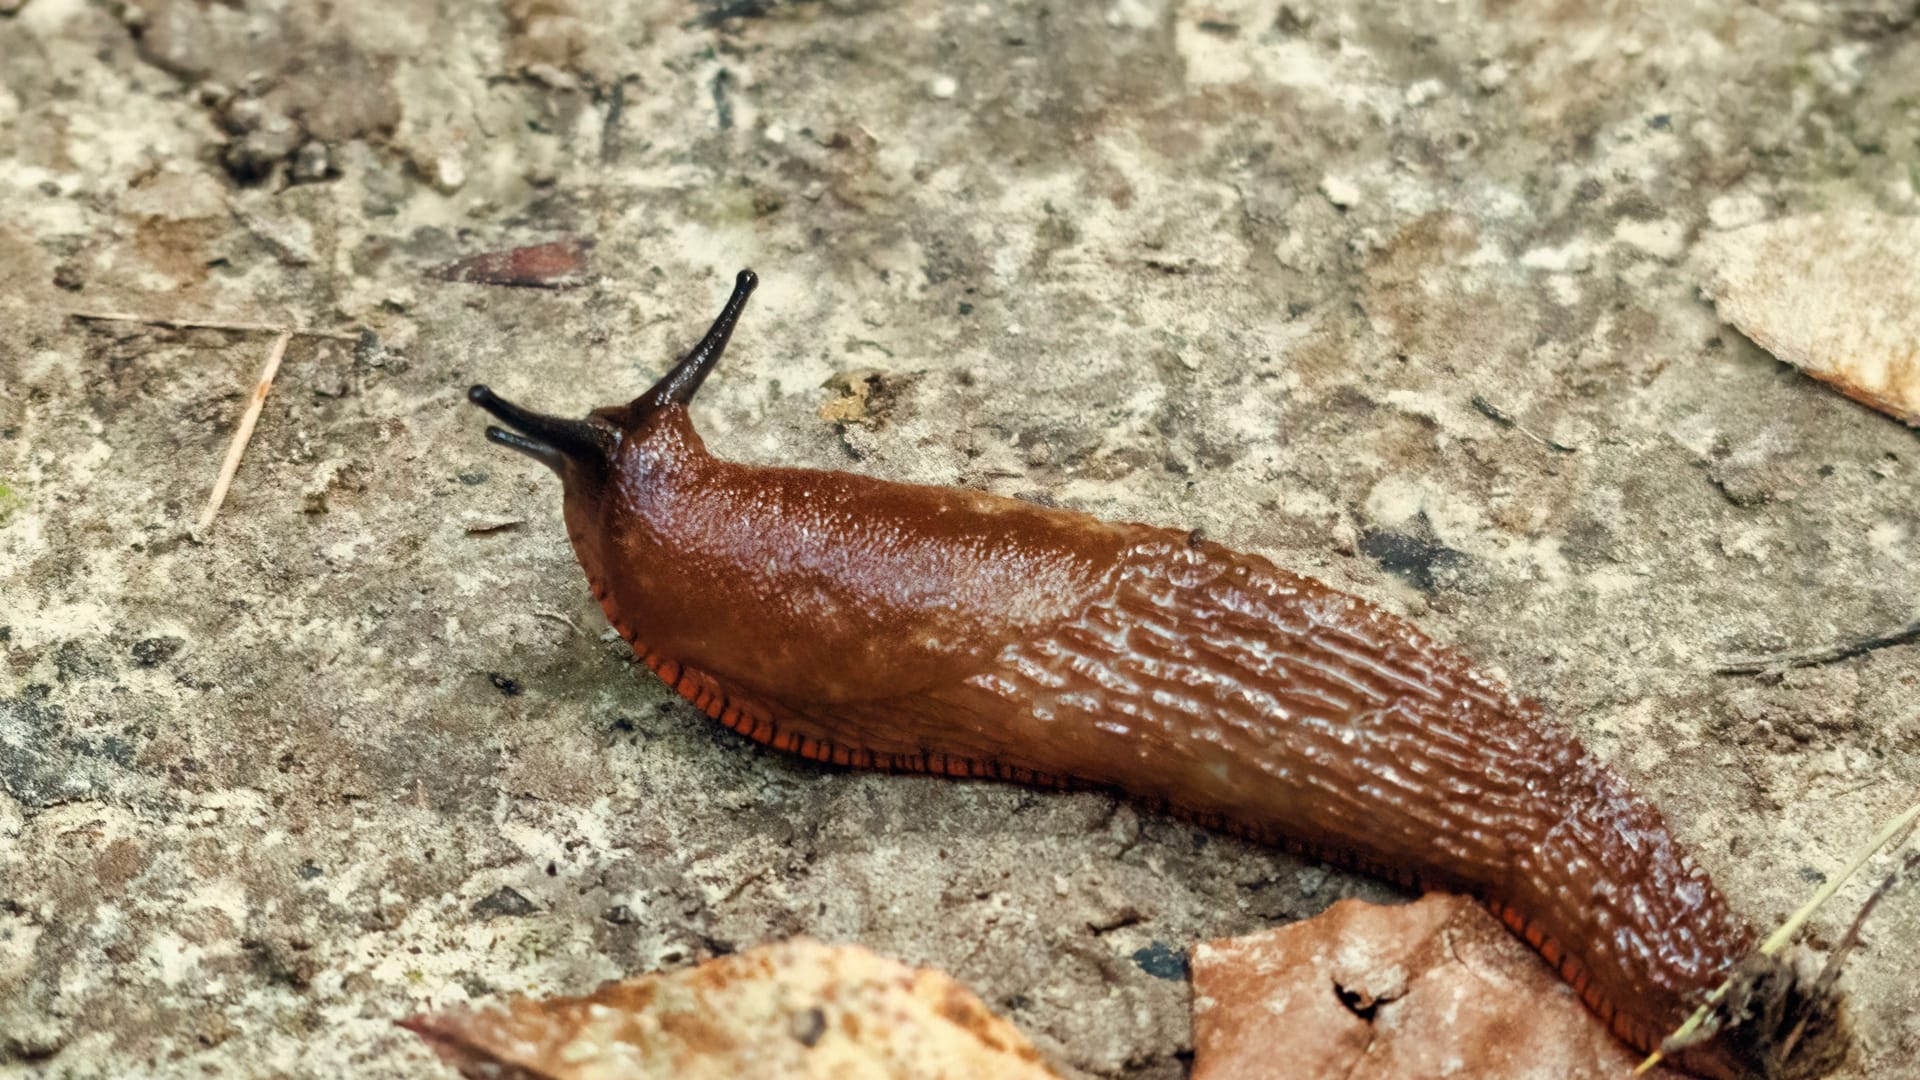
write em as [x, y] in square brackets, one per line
[925, 629]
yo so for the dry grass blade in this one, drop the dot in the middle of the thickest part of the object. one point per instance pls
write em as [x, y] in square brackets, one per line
[211, 324]
[1790, 929]
[244, 433]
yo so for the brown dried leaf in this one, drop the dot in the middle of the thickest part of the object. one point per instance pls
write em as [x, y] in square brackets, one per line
[561, 264]
[1433, 988]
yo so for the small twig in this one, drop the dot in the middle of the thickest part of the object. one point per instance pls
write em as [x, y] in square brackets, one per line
[1501, 417]
[733, 9]
[244, 433]
[1780, 938]
[610, 127]
[212, 324]
[562, 620]
[1831, 973]
[1791, 928]
[483, 526]
[1832, 654]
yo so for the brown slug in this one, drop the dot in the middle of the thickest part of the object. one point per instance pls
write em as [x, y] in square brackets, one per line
[895, 626]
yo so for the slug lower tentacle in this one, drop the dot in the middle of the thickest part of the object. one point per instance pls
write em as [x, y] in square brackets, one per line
[911, 628]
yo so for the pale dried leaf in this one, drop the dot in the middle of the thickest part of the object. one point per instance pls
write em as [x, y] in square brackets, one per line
[1836, 295]
[798, 1009]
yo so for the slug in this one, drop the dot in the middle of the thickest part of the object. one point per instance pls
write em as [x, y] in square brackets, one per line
[924, 629]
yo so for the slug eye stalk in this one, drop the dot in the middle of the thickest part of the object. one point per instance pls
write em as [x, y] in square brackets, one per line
[550, 440]
[554, 441]
[678, 386]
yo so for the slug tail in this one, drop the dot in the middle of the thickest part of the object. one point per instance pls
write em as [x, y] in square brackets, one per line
[1779, 1020]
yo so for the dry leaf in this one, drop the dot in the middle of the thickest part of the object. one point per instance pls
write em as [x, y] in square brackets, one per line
[561, 264]
[1836, 295]
[1433, 988]
[858, 390]
[798, 1009]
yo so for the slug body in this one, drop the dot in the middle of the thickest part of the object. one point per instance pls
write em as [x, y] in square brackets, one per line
[903, 627]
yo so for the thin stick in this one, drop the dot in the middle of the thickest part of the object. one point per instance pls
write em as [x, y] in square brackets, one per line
[1830, 974]
[1791, 928]
[1500, 416]
[244, 433]
[1907, 868]
[1788, 930]
[562, 620]
[212, 324]
[1832, 654]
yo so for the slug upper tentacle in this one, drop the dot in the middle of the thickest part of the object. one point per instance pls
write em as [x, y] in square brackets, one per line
[904, 627]
[678, 385]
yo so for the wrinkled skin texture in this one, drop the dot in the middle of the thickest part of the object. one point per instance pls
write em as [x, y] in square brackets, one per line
[913, 628]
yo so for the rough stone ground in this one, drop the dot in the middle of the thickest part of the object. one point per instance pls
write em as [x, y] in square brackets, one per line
[1241, 267]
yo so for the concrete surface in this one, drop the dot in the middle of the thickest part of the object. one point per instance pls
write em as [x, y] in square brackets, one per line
[365, 747]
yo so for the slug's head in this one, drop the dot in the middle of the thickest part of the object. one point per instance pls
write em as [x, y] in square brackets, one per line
[584, 452]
